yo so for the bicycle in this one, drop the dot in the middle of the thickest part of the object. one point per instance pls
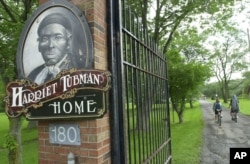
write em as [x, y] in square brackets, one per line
[234, 116]
[219, 117]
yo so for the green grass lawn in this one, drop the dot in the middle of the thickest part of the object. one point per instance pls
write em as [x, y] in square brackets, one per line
[29, 140]
[244, 106]
[187, 137]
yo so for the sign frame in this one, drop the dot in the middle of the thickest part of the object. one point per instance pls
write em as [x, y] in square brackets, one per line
[35, 102]
[81, 46]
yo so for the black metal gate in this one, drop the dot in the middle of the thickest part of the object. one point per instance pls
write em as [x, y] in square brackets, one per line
[139, 107]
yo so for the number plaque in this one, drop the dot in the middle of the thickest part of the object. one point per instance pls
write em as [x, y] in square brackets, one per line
[65, 134]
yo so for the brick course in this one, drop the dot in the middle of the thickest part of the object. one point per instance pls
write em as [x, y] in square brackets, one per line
[95, 133]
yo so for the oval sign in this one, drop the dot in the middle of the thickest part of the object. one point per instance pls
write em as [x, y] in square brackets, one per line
[57, 37]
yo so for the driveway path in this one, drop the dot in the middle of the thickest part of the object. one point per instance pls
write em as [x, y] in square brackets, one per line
[219, 140]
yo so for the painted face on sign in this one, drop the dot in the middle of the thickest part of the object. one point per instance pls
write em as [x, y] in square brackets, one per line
[54, 42]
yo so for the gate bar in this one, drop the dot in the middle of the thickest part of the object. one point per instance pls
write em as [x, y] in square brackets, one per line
[118, 146]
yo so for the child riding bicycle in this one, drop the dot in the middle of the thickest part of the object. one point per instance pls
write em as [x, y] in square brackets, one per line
[217, 109]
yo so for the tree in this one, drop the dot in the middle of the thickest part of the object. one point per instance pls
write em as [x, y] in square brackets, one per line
[246, 84]
[188, 67]
[164, 19]
[13, 14]
[228, 56]
[226, 62]
[185, 79]
[226, 46]
[210, 90]
[242, 18]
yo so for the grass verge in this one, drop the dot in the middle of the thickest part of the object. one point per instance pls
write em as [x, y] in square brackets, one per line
[244, 106]
[29, 140]
[187, 138]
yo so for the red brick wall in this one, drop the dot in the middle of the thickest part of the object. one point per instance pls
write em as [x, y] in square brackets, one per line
[95, 133]
[95, 13]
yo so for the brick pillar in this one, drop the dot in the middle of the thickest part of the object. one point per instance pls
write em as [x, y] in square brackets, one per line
[95, 133]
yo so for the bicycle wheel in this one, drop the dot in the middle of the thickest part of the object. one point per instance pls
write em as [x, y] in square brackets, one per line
[219, 119]
[234, 116]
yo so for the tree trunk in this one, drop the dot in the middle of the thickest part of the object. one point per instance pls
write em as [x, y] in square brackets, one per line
[179, 108]
[15, 154]
[226, 91]
[191, 104]
[180, 116]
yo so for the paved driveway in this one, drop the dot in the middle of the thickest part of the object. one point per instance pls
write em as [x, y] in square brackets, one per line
[219, 140]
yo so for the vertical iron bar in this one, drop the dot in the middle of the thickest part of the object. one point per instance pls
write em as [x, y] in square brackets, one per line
[116, 102]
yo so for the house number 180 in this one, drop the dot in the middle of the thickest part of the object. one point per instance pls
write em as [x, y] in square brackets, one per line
[67, 134]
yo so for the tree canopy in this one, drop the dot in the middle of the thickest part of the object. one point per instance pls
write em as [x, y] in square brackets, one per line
[163, 17]
[13, 14]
